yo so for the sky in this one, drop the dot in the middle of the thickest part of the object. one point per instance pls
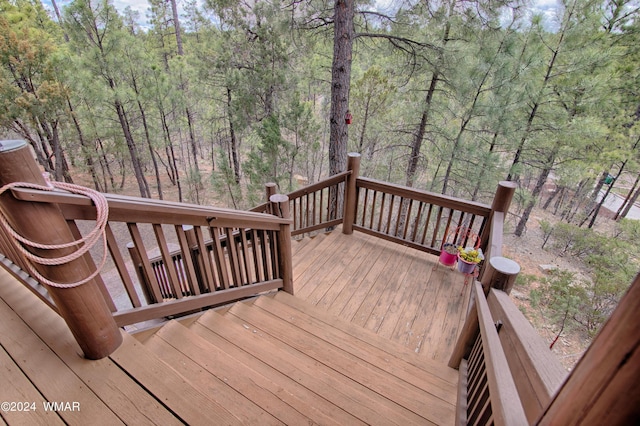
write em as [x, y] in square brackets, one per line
[545, 7]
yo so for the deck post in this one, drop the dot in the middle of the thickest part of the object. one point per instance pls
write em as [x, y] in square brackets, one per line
[83, 307]
[501, 274]
[501, 202]
[350, 203]
[270, 188]
[280, 208]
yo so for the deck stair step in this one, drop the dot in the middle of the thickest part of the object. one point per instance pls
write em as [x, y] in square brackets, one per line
[389, 392]
[299, 368]
[326, 390]
[366, 346]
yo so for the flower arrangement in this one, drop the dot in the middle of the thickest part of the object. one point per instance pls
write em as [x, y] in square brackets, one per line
[471, 254]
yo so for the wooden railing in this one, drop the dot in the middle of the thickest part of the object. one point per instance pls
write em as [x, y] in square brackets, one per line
[407, 216]
[222, 255]
[523, 375]
[415, 218]
[314, 207]
[488, 393]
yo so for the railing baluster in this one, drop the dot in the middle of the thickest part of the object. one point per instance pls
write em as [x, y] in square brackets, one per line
[121, 267]
[416, 222]
[232, 254]
[219, 257]
[138, 246]
[273, 251]
[407, 220]
[427, 224]
[313, 215]
[391, 204]
[169, 267]
[207, 259]
[187, 259]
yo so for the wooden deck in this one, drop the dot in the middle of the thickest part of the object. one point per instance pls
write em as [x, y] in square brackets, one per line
[272, 360]
[384, 287]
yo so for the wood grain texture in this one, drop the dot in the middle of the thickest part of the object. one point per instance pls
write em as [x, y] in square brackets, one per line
[537, 372]
[100, 381]
[384, 287]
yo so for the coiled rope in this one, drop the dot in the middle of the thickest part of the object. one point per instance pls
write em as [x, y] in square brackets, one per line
[84, 244]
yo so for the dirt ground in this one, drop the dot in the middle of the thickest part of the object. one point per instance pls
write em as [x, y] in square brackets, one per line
[526, 250]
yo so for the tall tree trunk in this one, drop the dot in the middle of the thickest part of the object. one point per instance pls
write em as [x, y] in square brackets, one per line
[343, 35]
[172, 171]
[624, 204]
[104, 163]
[234, 142]
[143, 186]
[463, 125]
[57, 12]
[476, 190]
[365, 119]
[176, 26]
[416, 145]
[88, 159]
[194, 149]
[542, 179]
[152, 153]
[629, 204]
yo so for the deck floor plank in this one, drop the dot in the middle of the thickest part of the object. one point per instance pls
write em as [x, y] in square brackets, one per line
[394, 292]
[339, 272]
[16, 387]
[410, 305]
[131, 403]
[54, 380]
[315, 262]
[188, 403]
[373, 308]
[292, 380]
[208, 369]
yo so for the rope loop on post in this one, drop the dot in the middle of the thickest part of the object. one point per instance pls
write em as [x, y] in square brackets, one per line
[87, 242]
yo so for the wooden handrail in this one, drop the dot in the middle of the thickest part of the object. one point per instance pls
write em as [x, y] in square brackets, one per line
[133, 209]
[537, 372]
[505, 402]
[446, 201]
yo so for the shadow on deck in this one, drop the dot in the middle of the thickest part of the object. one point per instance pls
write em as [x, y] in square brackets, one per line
[384, 287]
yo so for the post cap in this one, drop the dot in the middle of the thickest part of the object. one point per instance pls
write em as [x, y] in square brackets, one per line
[504, 265]
[278, 198]
[11, 145]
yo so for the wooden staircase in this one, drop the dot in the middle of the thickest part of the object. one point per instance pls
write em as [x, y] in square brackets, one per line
[271, 360]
